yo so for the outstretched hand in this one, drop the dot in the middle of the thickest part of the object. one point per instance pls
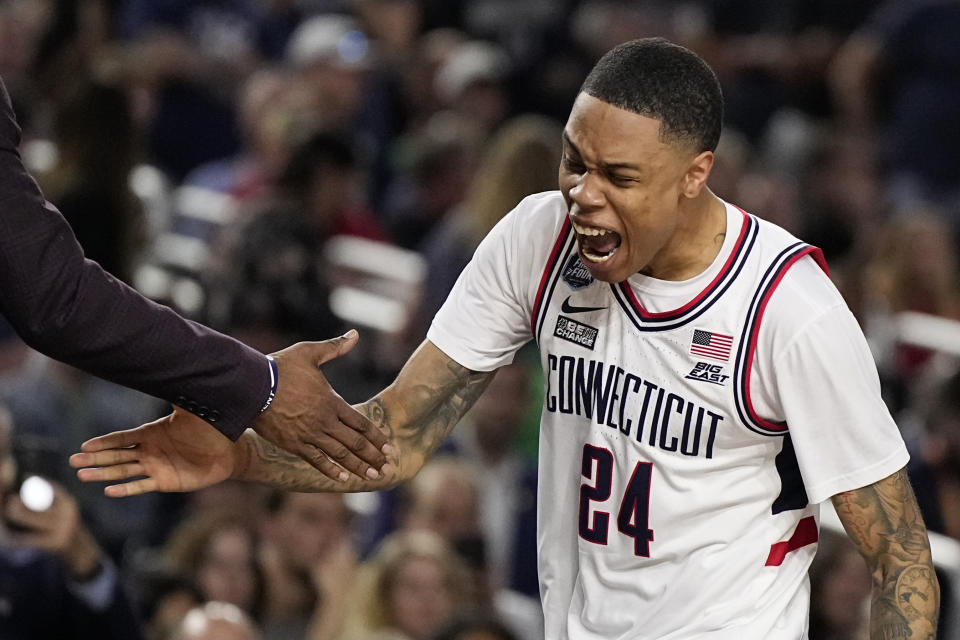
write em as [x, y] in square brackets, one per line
[310, 420]
[179, 452]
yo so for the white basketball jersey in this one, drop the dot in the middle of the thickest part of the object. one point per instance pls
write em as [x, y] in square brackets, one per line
[688, 428]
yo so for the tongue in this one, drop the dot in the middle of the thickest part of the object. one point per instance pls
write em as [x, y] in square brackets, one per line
[600, 245]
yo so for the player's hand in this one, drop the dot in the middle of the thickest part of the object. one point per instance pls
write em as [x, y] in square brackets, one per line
[179, 452]
[310, 420]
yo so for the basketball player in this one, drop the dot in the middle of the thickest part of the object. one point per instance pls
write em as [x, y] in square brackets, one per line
[706, 388]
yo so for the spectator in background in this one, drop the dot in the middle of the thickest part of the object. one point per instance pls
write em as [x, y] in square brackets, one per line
[58, 407]
[163, 600]
[21, 29]
[841, 203]
[219, 554]
[90, 180]
[434, 166]
[266, 116]
[274, 286]
[393, 25]
[216, 621]
[55, 581]
[347, 87]
[936, 470]
[914, 267]
[522, 158]
[331, 58]
[840, 585]
[444, 498]
[475, 627]
[308, 563]
[473, 83]
[507, 480]
[188, 60]
[418, 76]
[409, 589]
[770, 57]
[898, 78]
[77, 39]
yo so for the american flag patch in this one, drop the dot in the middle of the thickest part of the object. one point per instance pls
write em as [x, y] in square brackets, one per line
[711, 345]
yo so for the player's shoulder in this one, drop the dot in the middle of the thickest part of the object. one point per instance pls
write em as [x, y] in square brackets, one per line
[800, 288]
[531, 227]
[802, 274]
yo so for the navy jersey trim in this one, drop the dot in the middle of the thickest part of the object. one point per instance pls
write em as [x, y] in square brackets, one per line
[646, 321]
[793, 493]
[748, 338]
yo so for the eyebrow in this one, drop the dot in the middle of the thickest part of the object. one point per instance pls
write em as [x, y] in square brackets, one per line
[606, 166]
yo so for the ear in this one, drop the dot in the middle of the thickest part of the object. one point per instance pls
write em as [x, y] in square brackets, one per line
[697, 173]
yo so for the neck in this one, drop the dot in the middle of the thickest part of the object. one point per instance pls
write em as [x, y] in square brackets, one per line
[696, 241]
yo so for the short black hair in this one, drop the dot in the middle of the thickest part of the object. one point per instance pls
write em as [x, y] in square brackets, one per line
[662, 80]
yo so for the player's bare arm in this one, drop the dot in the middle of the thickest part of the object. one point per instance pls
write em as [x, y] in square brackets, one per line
[885, 524]
[416, 413]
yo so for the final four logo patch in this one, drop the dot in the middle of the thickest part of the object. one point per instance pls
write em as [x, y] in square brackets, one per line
[575, 274]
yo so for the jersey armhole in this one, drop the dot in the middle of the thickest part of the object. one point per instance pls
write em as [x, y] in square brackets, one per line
[748, 343]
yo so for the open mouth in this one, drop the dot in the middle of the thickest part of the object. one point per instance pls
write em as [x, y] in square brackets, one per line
[597, 244]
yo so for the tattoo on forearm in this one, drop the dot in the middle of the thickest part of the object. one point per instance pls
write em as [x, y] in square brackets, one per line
[884, 523]
[433, 411]
[264, 462]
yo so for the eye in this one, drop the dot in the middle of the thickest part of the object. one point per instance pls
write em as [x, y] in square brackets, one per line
[572, 165]
[621, 180]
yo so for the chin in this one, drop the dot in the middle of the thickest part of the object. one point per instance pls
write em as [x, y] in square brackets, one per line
[606, 277]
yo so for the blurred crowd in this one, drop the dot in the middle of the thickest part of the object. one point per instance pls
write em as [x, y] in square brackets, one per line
[285, 169]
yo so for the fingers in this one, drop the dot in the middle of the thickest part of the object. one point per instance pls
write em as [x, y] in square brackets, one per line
[112, 465]
[103, 458]
[117, 472]
[338, 445]
[115, 440]
[17, 513]
[135, 488]
[363, 438]
[318, 459]
[334, 348]
[108, 474]
[351, 441]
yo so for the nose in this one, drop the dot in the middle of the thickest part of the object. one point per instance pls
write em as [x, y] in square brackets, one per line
[586, 191]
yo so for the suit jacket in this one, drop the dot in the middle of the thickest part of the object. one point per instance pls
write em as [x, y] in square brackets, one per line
[70, 309]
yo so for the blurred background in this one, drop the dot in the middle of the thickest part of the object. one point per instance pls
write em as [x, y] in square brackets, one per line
[286, 169]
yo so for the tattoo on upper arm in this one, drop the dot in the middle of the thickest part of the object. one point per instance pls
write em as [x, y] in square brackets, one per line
[885, 524]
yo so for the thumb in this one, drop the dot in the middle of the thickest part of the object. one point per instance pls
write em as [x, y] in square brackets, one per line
[335, 347]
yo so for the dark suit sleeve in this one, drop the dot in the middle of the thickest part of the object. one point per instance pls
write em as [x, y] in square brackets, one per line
[68, 308]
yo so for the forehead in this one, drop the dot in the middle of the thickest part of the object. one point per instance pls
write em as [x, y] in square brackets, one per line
[610, 133]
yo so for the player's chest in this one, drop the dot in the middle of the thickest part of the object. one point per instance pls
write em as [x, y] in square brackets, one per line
[601, 331]
[663, 381]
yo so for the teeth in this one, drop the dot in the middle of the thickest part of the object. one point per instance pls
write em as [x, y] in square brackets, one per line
[589, 231]
[592, 257]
